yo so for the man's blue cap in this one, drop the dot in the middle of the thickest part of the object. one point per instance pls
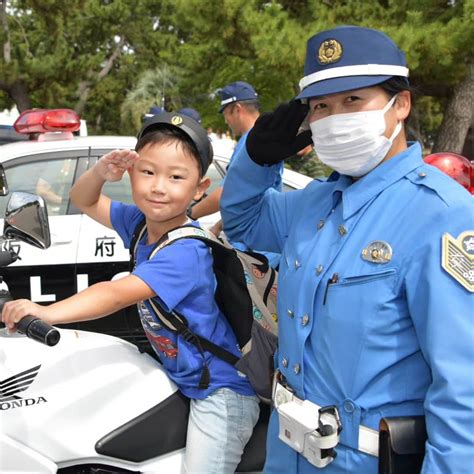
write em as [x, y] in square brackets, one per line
[194, 114]
[349, 57]
[154, 110]
[236, 92]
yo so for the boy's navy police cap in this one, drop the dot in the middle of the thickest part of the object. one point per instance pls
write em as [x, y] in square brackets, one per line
[189, 126]
[236, 92]
[349, 57]
[194, 114]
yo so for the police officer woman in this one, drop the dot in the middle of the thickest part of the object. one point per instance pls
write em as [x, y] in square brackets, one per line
[376, 275]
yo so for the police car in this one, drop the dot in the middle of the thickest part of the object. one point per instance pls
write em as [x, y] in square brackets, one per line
[82, 252]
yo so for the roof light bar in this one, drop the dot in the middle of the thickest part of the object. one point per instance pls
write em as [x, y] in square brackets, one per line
[44, 120]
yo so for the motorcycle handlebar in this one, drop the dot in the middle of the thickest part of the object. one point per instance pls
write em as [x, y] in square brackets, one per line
[38, 330]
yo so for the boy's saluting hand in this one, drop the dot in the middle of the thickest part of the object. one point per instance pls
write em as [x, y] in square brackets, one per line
[113, 165]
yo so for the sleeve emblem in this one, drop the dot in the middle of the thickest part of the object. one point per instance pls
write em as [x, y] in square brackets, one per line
[458, 258]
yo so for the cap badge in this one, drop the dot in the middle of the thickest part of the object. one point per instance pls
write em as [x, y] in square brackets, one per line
[329, 52]
[176, 120]
[458, 258]
[377, 251]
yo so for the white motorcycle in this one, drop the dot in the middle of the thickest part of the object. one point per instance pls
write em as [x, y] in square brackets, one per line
[84, 402]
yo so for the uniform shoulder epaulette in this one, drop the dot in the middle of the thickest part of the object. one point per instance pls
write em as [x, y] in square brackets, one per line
[444, 186]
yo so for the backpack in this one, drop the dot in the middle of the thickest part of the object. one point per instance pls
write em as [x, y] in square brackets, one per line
[246, 295]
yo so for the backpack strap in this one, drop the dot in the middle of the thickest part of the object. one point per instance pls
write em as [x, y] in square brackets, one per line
[174, 321]
[136, 237]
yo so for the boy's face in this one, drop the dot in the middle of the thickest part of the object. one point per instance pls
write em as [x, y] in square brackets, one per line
[165, 181]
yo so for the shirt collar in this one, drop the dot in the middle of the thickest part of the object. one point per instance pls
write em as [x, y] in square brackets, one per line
[357, 194]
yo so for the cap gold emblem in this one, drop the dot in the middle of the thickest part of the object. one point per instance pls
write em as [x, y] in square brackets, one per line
[377, 252]
[458, 258]
[176, 120]
[329, 52]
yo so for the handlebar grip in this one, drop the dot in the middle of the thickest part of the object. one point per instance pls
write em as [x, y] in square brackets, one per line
[38, 330]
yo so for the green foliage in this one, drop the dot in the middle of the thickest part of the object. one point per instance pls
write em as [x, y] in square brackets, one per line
[58, 47]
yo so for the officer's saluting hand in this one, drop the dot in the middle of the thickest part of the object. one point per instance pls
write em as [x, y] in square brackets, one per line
[275, 136]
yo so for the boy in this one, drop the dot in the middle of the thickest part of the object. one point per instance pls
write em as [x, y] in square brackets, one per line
[167, 172]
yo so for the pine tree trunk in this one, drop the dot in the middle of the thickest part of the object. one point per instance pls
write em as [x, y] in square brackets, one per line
[458, 117]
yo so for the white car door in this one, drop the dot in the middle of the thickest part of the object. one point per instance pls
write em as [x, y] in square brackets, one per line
[45, 276]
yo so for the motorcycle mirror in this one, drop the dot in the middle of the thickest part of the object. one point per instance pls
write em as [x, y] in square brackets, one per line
[26, 219]
[3, 182]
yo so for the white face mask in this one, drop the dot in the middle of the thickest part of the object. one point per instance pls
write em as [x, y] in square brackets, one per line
[353, 144]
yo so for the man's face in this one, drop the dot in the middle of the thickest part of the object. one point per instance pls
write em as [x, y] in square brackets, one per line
[232, 117]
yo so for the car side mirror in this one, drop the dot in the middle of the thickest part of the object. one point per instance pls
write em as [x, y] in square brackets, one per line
[3, 182]
[26, 219]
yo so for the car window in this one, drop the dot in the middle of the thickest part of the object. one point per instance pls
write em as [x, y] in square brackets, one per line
[51, 179]
[119, 190]
[215, 176]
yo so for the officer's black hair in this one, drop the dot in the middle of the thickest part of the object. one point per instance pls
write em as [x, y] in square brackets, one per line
[393, 86]
[165, 135]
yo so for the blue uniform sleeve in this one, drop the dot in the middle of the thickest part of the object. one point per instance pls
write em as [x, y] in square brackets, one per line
[442, 313]
[253, 212]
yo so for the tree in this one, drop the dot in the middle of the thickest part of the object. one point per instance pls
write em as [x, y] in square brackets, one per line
[156, 86]
[71, 48]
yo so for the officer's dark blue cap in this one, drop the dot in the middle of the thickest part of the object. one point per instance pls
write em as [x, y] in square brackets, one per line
[236, 92]
[189, 126]
[194, 114]
[154, 110]
[349, 57]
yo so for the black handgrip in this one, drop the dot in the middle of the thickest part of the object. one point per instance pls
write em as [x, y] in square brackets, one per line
[38, 330]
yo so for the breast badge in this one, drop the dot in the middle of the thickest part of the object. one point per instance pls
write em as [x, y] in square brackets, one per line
[377, 251]
[457, 258]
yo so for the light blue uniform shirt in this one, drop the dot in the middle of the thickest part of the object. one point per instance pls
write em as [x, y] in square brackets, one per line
[273, 258]
[388, 339]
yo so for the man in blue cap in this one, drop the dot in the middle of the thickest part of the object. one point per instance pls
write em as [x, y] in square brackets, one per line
[375, 283]
[154, 110]
[241, 108]
[194, 114]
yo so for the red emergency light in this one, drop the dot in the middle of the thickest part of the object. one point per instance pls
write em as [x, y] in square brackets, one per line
[45, 120]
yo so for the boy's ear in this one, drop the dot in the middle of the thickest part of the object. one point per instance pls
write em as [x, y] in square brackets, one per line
[202, 188]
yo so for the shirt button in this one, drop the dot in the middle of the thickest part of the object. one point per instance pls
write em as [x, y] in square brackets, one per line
[305, 320]
[290, 314]
[348, 406]
[333, 210]
[297, 264]
[319, 269]
[320, 224]
[422, 175]
[296, 369]
[284, 362]
[342, 230]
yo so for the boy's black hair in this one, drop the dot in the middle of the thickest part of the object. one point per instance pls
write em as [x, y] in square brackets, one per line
[169, 126]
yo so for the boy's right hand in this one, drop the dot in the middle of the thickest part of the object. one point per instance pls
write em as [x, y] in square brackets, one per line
[113, 165]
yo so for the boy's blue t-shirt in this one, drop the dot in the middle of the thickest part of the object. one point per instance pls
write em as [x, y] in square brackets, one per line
[182, 277]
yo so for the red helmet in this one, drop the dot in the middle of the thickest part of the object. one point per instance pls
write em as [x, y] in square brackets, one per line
[454, 165]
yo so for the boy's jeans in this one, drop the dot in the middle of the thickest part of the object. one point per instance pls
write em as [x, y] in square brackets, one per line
[218, 430]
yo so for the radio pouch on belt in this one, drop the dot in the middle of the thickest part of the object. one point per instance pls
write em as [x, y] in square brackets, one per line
[402, 445]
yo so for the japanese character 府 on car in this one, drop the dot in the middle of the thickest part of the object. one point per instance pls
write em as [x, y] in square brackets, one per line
[82, 251]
